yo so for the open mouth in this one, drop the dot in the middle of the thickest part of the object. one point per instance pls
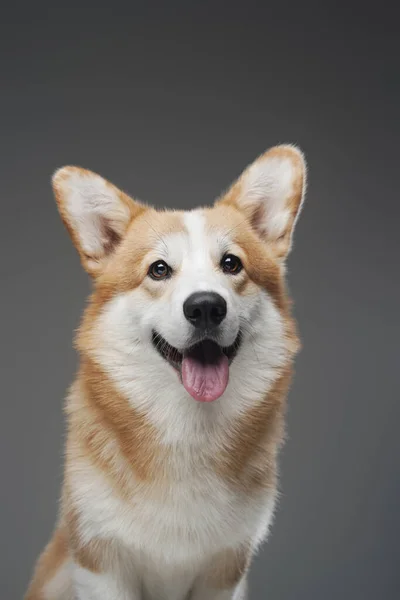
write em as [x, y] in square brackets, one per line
[203, 367]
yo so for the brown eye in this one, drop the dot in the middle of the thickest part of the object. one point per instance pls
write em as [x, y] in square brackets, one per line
[160, 270]
[231, 264]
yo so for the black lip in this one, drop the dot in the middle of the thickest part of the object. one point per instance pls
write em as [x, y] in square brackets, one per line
[206, 350]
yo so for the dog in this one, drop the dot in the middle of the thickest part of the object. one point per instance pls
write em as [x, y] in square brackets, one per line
[176, 415]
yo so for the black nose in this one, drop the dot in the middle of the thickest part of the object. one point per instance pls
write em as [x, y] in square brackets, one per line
[205, 310]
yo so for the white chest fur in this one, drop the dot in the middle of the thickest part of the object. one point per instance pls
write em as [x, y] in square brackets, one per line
[182, 522]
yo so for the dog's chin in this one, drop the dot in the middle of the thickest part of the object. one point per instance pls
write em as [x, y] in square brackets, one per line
[203, 367]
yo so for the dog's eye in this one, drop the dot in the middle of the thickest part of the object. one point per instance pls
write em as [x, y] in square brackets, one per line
[160, 270]
[231, 264]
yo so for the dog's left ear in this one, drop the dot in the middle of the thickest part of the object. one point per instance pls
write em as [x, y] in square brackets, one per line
[270, 193]
[96, 213]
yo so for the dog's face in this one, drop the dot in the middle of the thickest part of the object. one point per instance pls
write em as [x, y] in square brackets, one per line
[196, 294]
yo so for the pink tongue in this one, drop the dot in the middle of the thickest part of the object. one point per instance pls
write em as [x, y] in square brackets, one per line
[205, 382]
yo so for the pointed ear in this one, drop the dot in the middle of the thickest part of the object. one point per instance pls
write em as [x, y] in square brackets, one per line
[95, 212]
[270, 193]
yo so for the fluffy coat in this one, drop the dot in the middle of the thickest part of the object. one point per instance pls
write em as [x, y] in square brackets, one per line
[165, 497]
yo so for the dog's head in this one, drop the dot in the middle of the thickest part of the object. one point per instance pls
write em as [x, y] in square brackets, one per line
[192, 298]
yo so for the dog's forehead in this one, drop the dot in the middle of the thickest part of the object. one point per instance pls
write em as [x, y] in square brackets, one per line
[191, 242]
[202, 231]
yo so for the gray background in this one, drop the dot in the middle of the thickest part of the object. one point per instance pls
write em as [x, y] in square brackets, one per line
[171, 104]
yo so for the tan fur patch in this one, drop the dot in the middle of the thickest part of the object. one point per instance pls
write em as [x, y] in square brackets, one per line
[248, 458]
[128, 266]
[228, 568]
[107, 419]
[51, 559]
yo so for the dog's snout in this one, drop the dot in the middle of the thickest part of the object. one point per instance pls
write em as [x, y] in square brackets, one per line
[205, 310]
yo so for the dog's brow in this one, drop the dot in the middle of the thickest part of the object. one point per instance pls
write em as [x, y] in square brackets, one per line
[157, 234]
[225, 235]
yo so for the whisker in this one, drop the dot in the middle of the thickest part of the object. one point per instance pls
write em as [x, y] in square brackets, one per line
[225, 235]
[157, 233]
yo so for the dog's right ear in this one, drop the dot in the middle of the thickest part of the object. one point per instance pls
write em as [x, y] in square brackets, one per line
[95, 212]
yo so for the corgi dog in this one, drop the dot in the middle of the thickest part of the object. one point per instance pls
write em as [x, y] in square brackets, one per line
[176, 414]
